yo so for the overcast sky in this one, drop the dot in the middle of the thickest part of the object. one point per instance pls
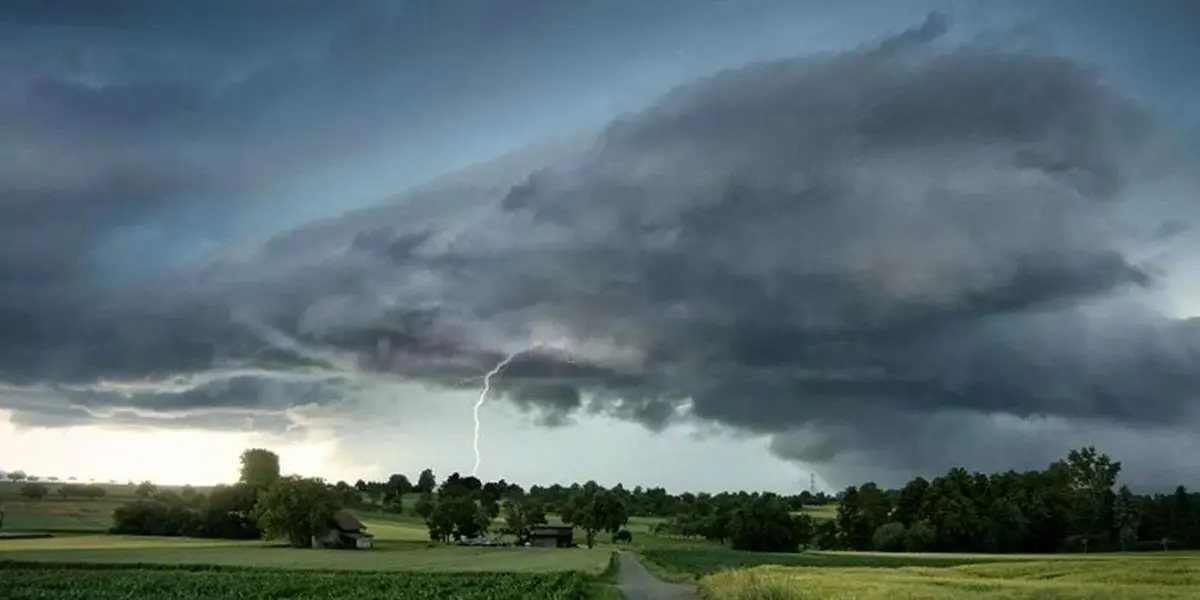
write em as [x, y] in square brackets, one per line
[733, 242]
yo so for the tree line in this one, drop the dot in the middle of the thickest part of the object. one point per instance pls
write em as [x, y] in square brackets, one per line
[35, 490]
[1075, 504]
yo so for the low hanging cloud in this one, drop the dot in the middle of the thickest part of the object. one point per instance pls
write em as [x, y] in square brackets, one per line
[843, 251]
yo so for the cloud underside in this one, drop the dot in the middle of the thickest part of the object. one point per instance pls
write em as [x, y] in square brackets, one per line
[842, 251]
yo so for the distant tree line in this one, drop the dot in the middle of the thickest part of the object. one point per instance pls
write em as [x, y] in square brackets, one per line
[1074, 505]
[35, 490]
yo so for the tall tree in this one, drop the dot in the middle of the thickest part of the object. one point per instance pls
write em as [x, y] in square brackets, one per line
[521, 512]
[1093, 476]
[260, 468]
[426, 482]
[1125, 517]
[593, 509]
[296, 509]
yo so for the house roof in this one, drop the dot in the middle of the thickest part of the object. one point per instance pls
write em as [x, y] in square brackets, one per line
[550, 531]
[345, 521]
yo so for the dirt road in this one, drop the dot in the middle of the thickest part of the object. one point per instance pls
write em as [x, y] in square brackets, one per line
[638, 584]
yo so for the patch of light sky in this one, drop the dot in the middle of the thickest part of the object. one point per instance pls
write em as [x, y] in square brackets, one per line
[406, 428]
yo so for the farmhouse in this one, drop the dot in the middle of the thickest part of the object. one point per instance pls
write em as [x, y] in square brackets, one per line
[344, 531]
[551, 536]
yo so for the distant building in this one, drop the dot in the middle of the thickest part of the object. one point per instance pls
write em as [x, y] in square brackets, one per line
[344, 530]
[551, 536]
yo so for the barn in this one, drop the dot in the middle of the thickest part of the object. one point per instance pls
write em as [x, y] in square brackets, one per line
[344, 530]
[551, 536]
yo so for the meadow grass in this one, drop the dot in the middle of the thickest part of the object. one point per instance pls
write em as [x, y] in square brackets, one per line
[388, 555]
[1156, 577]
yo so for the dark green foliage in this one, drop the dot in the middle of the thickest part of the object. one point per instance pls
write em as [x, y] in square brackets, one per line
[521, 512]
[46, 581]
[456, 516]
[80, 490]
[1072, 505]
[295, 509]
[426, 482]
[764, 524]
[260, 468]
[594, 509]
[34, 491]
[164, 517]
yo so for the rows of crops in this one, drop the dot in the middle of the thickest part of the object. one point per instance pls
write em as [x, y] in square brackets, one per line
[21, 581]
[704, 561]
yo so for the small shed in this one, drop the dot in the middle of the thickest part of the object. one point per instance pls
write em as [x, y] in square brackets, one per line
[344, 530]
[551, 536]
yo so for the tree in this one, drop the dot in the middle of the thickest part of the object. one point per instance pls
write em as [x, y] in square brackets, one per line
[146, 489]
[522, 512]
[34, 490]
[889, 537]
[594, 509]
[398, 483]
[17, 476]
[1125, 517]
[764, 524]
[424, 506]
[456, 516]
[260, 468]
[296, 509]
[1093, 476]
[426, 482]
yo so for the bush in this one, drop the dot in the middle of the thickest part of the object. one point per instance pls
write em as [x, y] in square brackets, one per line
[153, 517]
[889, 537]
[34, 491]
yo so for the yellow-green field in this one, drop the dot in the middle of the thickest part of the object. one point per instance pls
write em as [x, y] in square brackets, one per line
[1072, 577]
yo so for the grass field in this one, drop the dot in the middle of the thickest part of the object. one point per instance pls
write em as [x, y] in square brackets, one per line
[1110, 577]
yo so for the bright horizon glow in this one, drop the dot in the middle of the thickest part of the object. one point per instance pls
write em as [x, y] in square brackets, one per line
[165, 457]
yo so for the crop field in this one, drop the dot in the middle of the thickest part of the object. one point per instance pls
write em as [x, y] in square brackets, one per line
[1070, 577]
[704, 559]
[52, 514]
[388, 555]
[86, 582]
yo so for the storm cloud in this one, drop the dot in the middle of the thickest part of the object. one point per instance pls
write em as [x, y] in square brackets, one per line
[845, 250]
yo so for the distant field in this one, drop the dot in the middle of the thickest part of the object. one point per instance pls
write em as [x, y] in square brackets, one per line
[1069, 577]
[388, 555]
[704, 559]
[827, 511]
[55, 514]
[41, 582]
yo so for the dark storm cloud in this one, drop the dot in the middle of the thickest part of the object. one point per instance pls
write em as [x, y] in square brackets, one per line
[231, 401]
[858, 242]
[831, 241]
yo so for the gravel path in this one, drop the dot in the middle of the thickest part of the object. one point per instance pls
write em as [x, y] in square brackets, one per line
[639, 584]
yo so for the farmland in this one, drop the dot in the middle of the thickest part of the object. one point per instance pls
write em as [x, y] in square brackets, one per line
[70, 582]
[388, 555]
[1071, 577]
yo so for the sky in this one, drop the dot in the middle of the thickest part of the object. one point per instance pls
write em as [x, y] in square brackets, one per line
[723, 244]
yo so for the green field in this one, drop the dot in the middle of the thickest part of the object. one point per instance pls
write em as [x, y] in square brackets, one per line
[62, 582]
[1070, 577]
[81, 562]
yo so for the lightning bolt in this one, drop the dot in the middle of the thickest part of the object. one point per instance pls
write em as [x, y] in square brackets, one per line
[487, 387]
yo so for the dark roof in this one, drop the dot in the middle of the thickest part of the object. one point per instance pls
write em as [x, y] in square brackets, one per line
[551, 530]
[345, 521]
